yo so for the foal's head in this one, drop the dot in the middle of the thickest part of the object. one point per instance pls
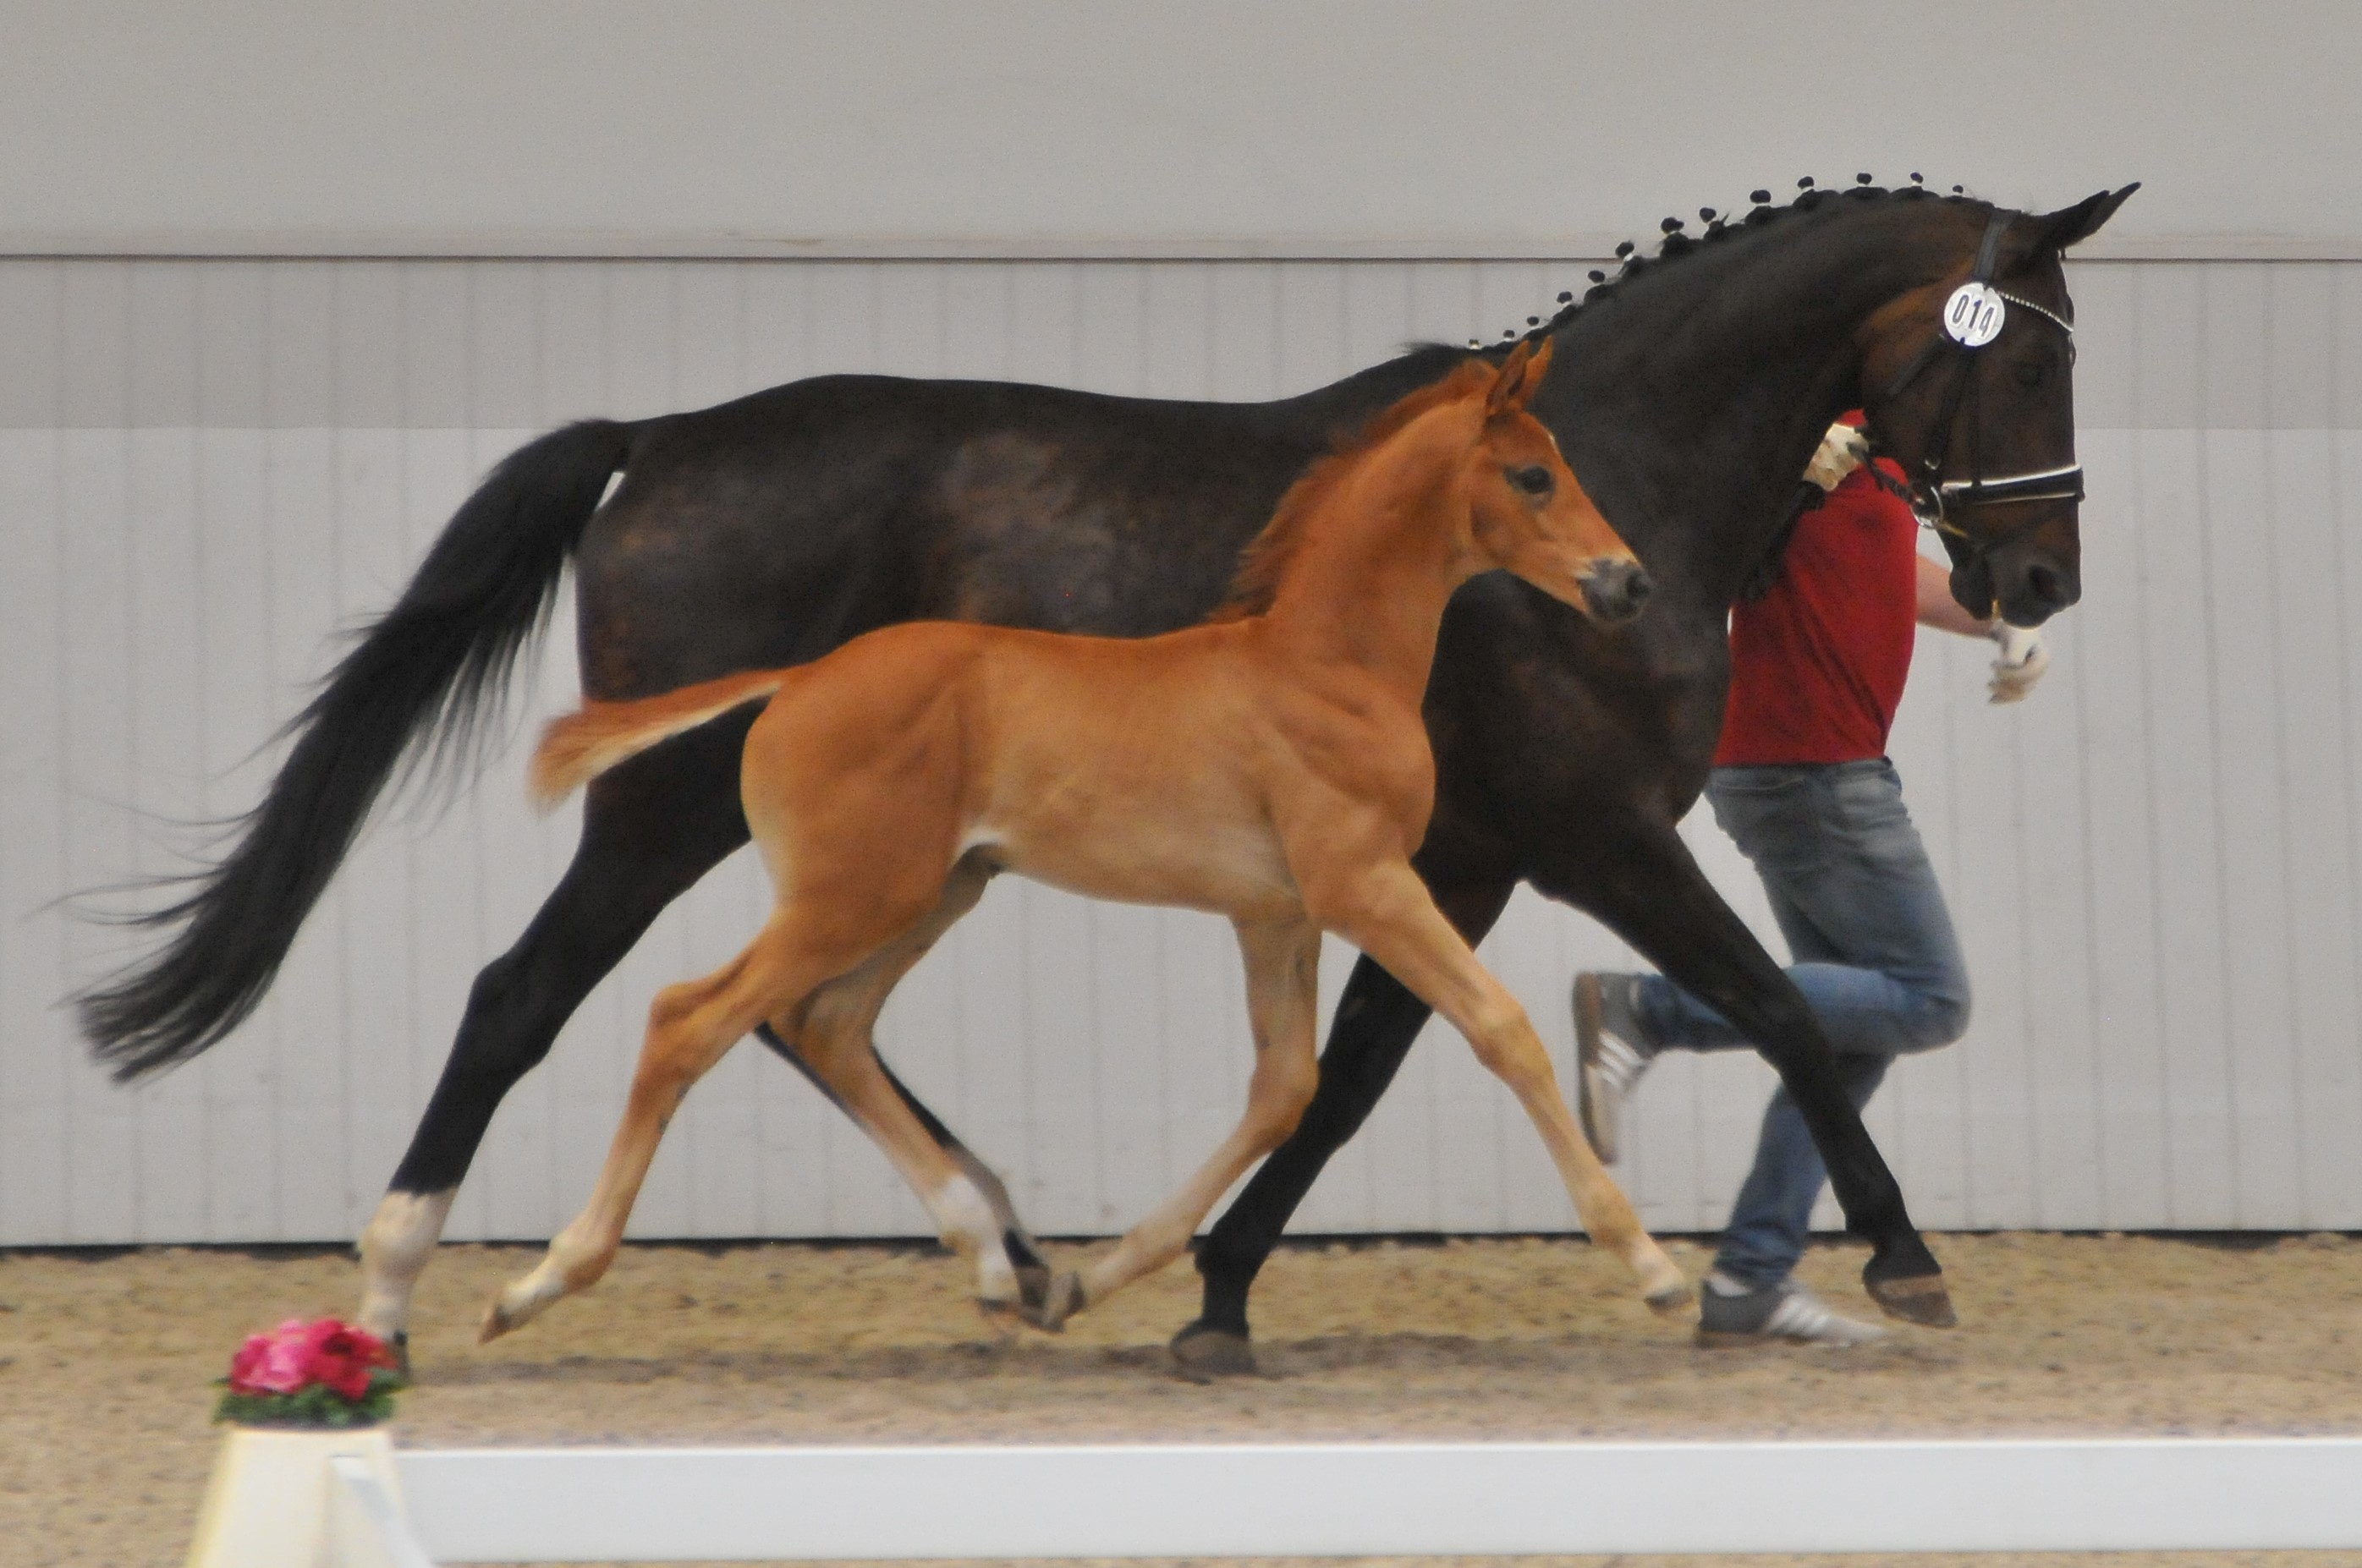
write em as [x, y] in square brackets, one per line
[1527, 513]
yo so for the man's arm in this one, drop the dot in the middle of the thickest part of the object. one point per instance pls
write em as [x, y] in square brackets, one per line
[2022, 656]
[1940, 609]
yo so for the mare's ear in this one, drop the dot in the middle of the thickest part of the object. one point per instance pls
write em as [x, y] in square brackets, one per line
[1520, 374]
[2070, 225]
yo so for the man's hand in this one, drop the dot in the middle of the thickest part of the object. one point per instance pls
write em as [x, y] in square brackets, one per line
[2023, 660]
[1842, 450]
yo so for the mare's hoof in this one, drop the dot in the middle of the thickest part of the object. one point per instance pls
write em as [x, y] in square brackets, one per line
[1670, 1299]
[1062, 1301]
[1204, 1352]
[1920, 1298]
[400, 1345]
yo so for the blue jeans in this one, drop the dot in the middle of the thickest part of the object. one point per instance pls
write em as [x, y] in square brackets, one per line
[1876, 958]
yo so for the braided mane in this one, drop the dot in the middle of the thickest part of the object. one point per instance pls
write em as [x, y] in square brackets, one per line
[1677, 243]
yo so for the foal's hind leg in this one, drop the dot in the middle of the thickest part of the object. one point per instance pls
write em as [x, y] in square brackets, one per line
[1283, 960]
[1388, 914]
[691, 1027]
[834, 1045]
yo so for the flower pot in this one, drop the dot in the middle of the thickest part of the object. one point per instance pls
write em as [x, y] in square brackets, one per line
[268, 1504]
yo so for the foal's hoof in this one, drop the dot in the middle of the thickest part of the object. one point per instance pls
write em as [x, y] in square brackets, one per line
[1204, 1352]
[1062, 1301]
[399, 1343]
[1920, 1298]
[1670, 1300]
[498, 1320]
[1033, 1284]
[1002, 1316]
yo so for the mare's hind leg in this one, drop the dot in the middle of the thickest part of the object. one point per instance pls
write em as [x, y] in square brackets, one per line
[691, 1027]
[1282, 962]
[1388, 914]
[649, 829]
[834, 1046]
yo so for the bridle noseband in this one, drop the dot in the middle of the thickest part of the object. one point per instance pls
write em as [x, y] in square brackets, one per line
[1972, 320]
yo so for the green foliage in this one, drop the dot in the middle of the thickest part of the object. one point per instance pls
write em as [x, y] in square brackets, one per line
[317, 1405]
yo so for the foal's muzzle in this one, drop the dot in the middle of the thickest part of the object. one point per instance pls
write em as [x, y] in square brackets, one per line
[1614, 590]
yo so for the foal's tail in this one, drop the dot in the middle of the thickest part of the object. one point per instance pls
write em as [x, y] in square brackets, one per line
[433, 667]
[582, 745]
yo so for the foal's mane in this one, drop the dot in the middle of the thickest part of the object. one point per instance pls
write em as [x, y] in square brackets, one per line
[1264, 559]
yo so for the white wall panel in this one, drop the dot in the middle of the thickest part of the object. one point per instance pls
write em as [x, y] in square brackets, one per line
[208, 469]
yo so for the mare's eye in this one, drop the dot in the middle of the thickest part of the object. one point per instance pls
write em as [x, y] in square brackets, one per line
[1534, 481]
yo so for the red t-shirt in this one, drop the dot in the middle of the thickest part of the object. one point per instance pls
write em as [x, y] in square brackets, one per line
[1817, 664]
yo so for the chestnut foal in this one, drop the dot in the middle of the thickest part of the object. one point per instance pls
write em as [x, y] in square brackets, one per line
[1271, 765]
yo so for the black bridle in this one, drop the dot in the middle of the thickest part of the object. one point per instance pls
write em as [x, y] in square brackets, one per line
[1934, 498]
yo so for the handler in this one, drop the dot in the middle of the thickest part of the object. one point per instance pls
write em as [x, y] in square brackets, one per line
[1800, 782]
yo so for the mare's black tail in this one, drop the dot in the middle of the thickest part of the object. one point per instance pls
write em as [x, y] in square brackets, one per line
[433, 666]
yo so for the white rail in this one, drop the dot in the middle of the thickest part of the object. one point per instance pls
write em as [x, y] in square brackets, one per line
[654, 1505]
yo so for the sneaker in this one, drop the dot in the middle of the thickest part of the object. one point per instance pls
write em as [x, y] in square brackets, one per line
[1610, 1055]
[1729, 1314]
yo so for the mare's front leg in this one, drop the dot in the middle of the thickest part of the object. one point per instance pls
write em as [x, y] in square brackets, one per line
[1659, 900]
[1283, 963]
[649, 829]
[1386, 911]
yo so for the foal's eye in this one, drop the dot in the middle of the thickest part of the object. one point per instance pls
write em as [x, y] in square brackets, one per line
[1534, 481]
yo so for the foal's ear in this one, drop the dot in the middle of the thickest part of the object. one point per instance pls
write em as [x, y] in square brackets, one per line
[1520, 375]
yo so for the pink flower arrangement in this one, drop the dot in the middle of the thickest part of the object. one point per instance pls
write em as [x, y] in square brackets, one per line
[318, 1374]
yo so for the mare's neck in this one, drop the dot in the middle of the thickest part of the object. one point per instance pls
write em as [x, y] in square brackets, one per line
[1367, 583]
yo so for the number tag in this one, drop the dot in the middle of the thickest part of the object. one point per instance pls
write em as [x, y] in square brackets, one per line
[1974, 313]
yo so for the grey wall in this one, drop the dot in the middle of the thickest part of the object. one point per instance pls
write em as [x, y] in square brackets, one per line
[1176, 127]
[207, 467]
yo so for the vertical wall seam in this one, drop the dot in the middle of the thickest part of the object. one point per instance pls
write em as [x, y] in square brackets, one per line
[2225, 1045]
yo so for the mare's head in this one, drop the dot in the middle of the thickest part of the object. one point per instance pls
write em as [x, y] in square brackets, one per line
[1967, 382]
[1526, 511]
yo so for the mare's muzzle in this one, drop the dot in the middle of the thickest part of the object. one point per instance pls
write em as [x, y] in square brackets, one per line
[2025, 574]
[1614, 590]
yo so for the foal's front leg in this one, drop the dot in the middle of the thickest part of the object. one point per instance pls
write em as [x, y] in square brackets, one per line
[1283, 961]
[1389, 914]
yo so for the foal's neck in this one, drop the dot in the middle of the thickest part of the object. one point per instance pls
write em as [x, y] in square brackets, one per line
[1380, 558]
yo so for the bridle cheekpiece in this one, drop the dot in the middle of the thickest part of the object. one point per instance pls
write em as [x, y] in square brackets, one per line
[1972, 319]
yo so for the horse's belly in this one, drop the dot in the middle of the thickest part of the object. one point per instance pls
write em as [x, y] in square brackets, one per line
[1227, 872]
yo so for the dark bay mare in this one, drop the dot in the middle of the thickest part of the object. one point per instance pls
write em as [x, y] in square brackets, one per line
[1687, 394]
